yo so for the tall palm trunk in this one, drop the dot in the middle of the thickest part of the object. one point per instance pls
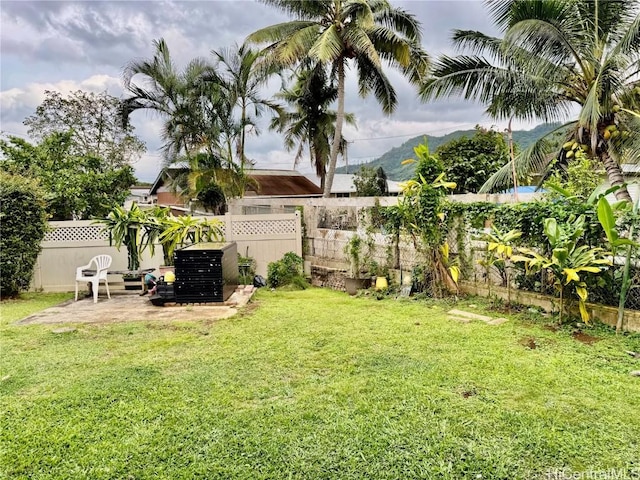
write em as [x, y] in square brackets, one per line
[614, 174]
[243, 121]
[337, 136]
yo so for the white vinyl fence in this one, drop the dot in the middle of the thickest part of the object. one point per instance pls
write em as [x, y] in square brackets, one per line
[68, 245]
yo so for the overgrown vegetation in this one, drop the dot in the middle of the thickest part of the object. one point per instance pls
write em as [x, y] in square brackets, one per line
[76, 186]
[419, 215]
[287, 271]
[370, 182]
[603, 286]
[23, 224]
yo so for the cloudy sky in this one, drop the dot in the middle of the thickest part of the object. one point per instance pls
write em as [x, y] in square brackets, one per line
[67, 46]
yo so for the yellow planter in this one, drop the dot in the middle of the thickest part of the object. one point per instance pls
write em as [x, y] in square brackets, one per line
[381, 283]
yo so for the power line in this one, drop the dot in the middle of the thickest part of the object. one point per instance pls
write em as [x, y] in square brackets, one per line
[409, 134]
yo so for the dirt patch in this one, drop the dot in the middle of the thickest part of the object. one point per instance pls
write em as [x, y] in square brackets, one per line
[584, 338]
[468, 393]
[512, 308]
[529, 342]
[551, 328]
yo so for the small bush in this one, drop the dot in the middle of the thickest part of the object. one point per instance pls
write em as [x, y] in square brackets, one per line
[287, 271]
[23, 223]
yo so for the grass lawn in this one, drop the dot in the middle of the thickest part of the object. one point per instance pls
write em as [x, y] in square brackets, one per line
[316, 384]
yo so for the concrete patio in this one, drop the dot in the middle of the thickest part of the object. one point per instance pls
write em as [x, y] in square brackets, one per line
[126, 306]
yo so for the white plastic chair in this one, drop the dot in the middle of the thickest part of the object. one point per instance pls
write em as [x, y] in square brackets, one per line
[102, 263]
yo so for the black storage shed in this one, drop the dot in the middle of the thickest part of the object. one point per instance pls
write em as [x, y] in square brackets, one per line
[206, 272]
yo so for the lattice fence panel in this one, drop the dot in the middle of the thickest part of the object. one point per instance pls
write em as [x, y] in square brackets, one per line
[264, 227]
[76, 234]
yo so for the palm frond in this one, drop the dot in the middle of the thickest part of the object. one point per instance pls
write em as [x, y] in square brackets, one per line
[328, 47]
[371, 77]
[534, 159]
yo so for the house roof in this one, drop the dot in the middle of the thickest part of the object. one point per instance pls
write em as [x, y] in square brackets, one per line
[343, 183]
[282, 183]
[272, 183]
[159, 181]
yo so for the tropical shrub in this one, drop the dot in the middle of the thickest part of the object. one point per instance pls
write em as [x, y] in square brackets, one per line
[423, 219]
[125, 227]
[287, 271]
[567, 262]
[498, 255]
[23, 224]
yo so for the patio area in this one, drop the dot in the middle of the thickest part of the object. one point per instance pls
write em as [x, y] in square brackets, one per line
[127, 306]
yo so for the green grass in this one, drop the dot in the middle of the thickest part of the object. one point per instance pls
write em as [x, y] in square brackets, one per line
[29, 303]
[315, 384]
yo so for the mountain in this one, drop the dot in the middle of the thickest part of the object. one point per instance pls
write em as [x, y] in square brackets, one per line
[391, 160]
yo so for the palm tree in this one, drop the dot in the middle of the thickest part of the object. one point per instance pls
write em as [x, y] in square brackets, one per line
[199, 129]
[335, 32]
[237, 66]
[177, 96]
[310, 125]
[555, 55]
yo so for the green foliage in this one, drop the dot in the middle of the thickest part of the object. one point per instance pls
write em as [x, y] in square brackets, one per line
[23, 224]
[423, 219]
[391, 160]
[582, 177]
[498, 255]
[125, 227]
[338, 35]
[422, 199]
[310, 124]
[186, 230]
[75, 186]
[569, 260]
[154, 224]
[355, 255]
[246, 269]
[94, 120]
[287, 271]
[469, 161]
[553, 58]
[370, 182]
[212, 199]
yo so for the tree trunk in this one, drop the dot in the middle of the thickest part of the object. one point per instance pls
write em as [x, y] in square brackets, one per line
[614, 174]
[243, 121]
[337, 136]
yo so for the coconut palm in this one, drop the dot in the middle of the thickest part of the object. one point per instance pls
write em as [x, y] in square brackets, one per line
[335, 33]
[310, 124]
[556, 57]
[237, 66]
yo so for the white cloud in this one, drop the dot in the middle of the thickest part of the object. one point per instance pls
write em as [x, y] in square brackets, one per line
[31, 95]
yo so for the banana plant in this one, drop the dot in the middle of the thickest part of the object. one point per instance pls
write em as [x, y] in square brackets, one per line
[500, 248]
[568, 260]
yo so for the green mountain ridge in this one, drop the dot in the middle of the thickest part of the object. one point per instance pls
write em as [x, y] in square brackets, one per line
[391, 161]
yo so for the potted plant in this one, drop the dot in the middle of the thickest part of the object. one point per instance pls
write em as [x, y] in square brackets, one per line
[124, 228]
[186, 230]
[353, 251]
[156, 224]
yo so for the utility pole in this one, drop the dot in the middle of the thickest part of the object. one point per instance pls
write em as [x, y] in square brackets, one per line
[513, 163]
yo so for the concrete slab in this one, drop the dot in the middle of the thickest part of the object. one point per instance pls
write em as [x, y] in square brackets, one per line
[126, 306]
[469, 315]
